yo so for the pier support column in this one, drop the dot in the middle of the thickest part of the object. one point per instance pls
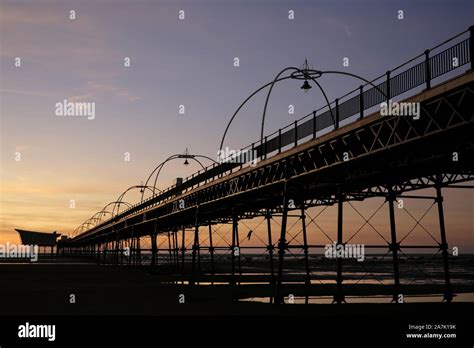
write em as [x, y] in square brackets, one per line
[211, 251]
[448, 294]
[237, 239]
[199, 255]
[394, 245]
[170, 254]
[98, 253]
[139, 252]
[183, 251]
[339, 296]
[176, 251]
[305, 246]
[270, 249]
[307, 280]
[153, 246]
[104, 251]
[120, 251]
[132, 248]
[279, 297]
[235, 226]
[130, 243]
[195, 247]
[117, 250]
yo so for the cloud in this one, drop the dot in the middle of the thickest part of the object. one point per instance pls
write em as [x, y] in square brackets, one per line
[44, 35]
[25, 93]
[16, 16]
[22, 147]
[94, 89]
[338, 25]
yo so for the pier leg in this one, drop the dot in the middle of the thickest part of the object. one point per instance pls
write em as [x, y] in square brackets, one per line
[339, 297]
[117, 253]
[233, 246]
[199, 255]
[105, 251]
[270, 249]
[394, 246]
[98, 253]
[153, 246]
[307, 280]
[170, 256]
[183, 251]
[195, 248]
[176, 251]
[279, 297]
[120, 251]
[237, 239]
[139, 252]
[211, 251]
[448, 294]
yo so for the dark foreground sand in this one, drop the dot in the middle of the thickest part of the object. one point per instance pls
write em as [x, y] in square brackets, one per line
[128, 305]
[39, 289]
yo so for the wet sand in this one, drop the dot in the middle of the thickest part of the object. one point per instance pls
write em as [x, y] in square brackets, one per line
[45, 289]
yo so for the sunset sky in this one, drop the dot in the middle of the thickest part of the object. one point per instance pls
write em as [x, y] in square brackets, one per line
[176, 62]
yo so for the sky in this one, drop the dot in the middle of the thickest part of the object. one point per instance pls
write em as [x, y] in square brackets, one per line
[177, 62]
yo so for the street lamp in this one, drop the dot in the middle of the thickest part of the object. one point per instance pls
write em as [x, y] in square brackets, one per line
[305, 68]
[186, 156]
[306, 86]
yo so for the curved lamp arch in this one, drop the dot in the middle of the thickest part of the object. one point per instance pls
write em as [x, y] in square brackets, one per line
[308, 75]
[142, 190]
[245, 102]
[160, 166]
[102, 213]
[128, 205]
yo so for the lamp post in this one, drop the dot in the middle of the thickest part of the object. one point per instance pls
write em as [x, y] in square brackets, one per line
[186, 155]
[305, 73]
[142, 189]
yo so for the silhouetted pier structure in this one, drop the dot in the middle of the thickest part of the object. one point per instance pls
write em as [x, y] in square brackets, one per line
[41, 239]
[316, 161]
